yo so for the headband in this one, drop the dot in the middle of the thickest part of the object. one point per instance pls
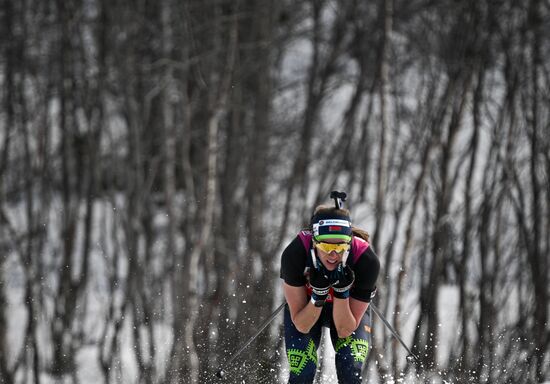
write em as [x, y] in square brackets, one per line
[331, 225]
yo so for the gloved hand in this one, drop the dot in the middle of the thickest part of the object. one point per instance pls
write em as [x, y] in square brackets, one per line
[319, 282]
[343, 281]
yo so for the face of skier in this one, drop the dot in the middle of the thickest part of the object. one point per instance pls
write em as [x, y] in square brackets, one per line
[331, 252]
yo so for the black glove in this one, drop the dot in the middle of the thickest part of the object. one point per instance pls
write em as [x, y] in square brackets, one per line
[319, 283]
[344, 281]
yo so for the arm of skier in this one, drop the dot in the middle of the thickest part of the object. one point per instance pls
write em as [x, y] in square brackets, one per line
[347, 311]
[302, 312]
[347, 314]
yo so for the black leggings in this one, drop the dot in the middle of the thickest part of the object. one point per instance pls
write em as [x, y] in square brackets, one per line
[301, 349]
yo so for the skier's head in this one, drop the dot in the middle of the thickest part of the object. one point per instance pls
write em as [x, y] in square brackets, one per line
[332, 232]
[329, 222]
[332, 223]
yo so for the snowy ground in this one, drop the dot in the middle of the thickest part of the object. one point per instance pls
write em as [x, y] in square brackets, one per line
[89, 370]
[126, 370]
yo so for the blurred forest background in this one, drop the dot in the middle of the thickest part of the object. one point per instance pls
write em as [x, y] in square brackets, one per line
[157, 156]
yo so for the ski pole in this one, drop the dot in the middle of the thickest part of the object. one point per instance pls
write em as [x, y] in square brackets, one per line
[221, 372]
[394, 333]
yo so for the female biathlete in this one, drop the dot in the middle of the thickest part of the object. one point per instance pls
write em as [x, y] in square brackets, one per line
[329, 274]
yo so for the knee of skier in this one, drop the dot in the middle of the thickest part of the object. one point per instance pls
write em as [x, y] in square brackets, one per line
[351, 355]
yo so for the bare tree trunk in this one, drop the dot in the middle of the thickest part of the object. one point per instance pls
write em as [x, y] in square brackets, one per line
[62, 343]
[381, 171]
[232, 201]
[199, 248]
[31, 248]
[386, 15]
[8, 69]
[486, 305]
[183, 359]
[537, 261]
[467, 232]
[170, 140]
[365, 144]
[257, 169]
